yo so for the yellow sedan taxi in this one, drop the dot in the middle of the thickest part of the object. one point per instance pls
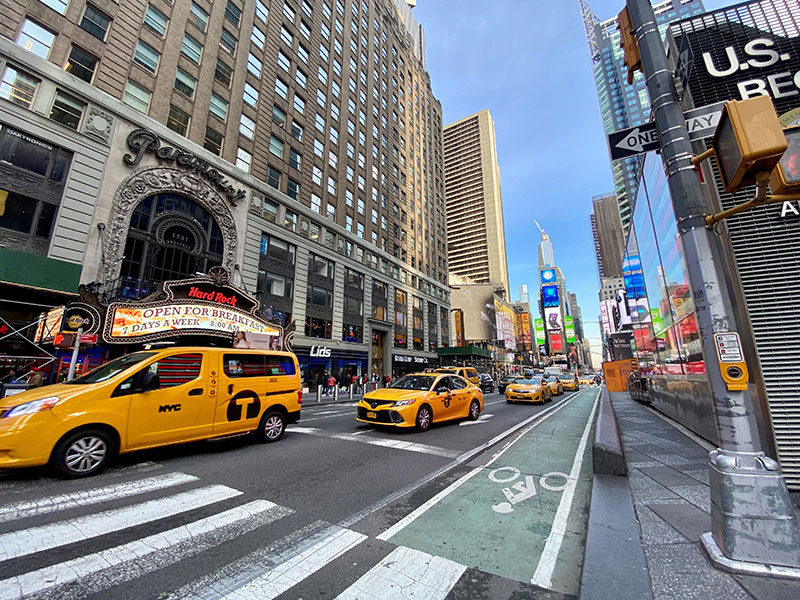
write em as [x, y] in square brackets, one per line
[421, 399]
[570, 382]
[555, 384]
[531, 389]
[586, 381]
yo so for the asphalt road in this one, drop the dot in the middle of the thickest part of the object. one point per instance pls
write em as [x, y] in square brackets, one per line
[337, 509]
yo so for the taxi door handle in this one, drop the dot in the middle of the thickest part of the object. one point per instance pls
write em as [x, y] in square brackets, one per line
[196, 392]
[230, 389]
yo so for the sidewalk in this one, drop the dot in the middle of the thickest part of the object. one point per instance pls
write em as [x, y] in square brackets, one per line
[667, 495]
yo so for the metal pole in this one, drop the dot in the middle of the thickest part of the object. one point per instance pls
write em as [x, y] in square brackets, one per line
[75, 351]
[753, 528]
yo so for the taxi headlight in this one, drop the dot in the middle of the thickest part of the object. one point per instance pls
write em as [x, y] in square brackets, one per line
[405, 402]
[32, 407]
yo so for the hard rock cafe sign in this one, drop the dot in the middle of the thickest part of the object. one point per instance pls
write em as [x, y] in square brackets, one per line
[142, 141]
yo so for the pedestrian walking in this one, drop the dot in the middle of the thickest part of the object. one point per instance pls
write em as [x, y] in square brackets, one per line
[37, 379]
[331, 386]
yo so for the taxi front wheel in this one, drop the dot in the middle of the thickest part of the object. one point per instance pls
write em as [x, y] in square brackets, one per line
[83, 452]
[474, 410]
[272, 426]
[424, 418]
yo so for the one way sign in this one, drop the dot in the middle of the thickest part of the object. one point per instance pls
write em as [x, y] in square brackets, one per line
[700, 122]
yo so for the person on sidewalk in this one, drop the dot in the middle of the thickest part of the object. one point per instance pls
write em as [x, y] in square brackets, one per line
[331, 385]
[37, 379]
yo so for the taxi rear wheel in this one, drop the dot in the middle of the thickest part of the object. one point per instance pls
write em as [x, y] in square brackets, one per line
[272, 427]
[424, 418]
[83, 453]
[474, 410]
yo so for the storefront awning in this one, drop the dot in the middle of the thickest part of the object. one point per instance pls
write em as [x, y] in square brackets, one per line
[464, 351]
[40, 272]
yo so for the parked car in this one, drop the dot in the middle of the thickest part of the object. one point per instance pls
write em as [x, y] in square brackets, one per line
[486, 383]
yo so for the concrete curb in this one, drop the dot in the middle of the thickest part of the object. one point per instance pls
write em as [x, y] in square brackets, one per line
[607, 455]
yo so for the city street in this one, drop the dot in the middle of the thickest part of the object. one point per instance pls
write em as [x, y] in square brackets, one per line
[492, 509]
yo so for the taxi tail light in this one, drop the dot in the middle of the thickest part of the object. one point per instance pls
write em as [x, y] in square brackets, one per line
[300, 396]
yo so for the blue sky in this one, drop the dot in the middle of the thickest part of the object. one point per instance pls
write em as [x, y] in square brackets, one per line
[527, 62]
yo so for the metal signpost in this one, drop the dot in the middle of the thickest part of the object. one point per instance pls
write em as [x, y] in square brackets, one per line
[753, 527]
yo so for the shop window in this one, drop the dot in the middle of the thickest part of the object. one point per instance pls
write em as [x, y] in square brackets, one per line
[318, 328]
[95, 22]
[18, 86]
[184, 83]
[67, 110]
[244, 365]
[418, 344]
[81, 64]
[198, 17]
[178, 120]
[320, 266]
[27, 215]
[352, 333]
[223, 73]
[400, 340]
[213, 141]
[34, 155]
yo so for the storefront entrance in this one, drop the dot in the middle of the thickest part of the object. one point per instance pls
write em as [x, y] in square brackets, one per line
[378, 344]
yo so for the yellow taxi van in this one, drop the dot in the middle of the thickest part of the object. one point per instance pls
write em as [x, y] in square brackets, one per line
[468, 373]
[421, 399]
[148, 399]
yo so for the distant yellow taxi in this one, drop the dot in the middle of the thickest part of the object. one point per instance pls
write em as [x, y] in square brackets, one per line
[531, 389]
[421, 399]
[570, 382]
[585, 381]
[467, 373]
[556, 387]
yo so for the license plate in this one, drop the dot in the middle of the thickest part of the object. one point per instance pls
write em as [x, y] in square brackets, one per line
[372, 415]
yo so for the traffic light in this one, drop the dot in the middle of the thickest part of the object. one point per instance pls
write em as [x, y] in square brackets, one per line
[627, 41]
[64, 339]
[785, 178]
[748, 140]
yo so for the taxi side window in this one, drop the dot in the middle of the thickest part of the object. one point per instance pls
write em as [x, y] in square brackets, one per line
[472, 373]
[244, 365]
[458, 383]
[171, 370]
[279, 365]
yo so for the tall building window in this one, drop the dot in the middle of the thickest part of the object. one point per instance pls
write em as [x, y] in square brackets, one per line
[95, 22]
[146, 57]
[223, 73]
[290, 220]
[67, 110]
[294, 159]
[243, 159]
[60, 6]
[228, 41]
[293, 189]
[191, 48]
[297, 131]
[281, 88]
[156, 20]
[35, 38]
[178, 120]
[233, 14]
[254, 65]
[18, 86]
[81, 64]
[250, 95]
[213, 141]
[262, 12]
[273, 177]
[184, 83]
[218, 106]
[276, 146]
[247, 127]
[198, 17]
[136, 97]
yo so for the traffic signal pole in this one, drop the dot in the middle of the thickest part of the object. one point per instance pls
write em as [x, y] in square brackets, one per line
[753, 528]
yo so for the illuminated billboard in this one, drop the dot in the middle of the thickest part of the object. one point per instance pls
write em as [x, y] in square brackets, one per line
[552, 317]
[569, 329]
[556, 342]
[548, 276]
[550, 296]
[538, 325]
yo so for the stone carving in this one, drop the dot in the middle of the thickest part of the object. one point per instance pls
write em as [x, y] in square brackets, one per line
[304, 226]
[98, 124]
[256, 202]
[159, 180]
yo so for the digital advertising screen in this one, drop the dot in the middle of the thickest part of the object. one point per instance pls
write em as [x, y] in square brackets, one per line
[548, 276]
[550, 296]
[538, 325]
[552, 319]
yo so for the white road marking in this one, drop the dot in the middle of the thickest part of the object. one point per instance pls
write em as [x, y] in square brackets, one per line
[284, 569]
[386, 443]
[482, 419]
[138, 557]
[423, 508]
[28, 541]
[407, 573]
[495, 402]
[547, 561]
[20, 510]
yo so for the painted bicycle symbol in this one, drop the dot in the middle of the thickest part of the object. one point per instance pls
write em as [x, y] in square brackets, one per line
[523, 489]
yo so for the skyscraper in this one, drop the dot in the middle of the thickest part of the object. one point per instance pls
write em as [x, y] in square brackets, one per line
[523, 294]
[609, 241]
[546, 255]
[476, 242]
[297, 144]
[623, 105]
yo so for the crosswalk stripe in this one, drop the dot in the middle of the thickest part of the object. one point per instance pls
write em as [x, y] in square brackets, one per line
[407, 573]
[150, 553]
[35, 539]
[273, 574]
[20, 510]
[396, 444]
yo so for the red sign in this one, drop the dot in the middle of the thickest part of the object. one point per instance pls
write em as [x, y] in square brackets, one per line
[556, 345]
[89, 338]
[212, 296]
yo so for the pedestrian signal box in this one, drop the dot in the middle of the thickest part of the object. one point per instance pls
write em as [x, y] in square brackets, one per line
[748, 140]
[627, 41]
[64, 339]
[785, 178]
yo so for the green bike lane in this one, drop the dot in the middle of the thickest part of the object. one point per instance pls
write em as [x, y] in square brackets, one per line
[520, 513]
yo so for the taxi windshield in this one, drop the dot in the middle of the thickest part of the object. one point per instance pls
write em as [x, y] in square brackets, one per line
[528, 381]
[550, 379]
[110, 369]
[414, 382]
[450, 371]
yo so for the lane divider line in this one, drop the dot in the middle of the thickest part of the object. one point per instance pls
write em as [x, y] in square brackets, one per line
[425, 507]
[543, 576]
[395, 444]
